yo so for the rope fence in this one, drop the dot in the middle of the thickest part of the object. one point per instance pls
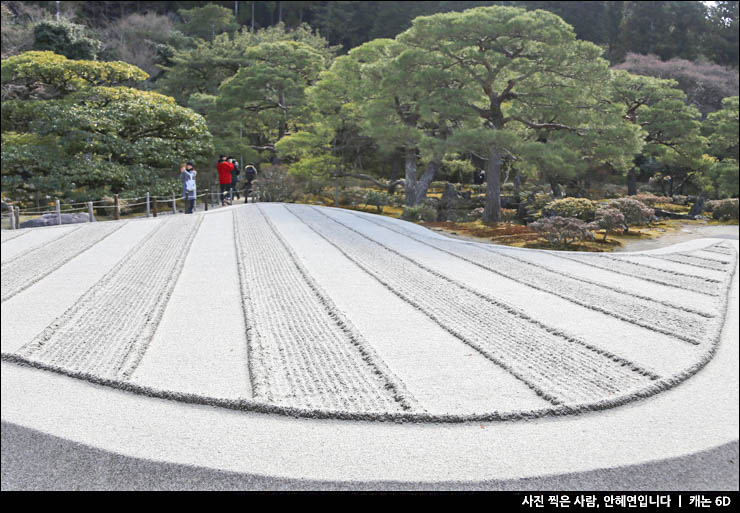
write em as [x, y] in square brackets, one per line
[152, 206]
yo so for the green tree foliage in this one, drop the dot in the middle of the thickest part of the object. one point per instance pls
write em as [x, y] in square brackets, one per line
[34, 75]
[208, 21]
[246, 119]
[722, 40]
[666, 29]
[271, 90]
[88, 139]
[65, 38]
[722, 129]
[536, 87]
[203, 68]
[670, 127]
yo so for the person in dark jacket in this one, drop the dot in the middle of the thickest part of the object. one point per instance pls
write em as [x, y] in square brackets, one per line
[250, 172]
[224, 168]
[235, 178]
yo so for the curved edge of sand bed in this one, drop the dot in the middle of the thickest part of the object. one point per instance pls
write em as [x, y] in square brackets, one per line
[32, 460]
[698, 415]
[248, 405]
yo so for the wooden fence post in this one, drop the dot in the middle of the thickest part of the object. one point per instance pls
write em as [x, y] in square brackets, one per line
[90, 211]
[205, 200]
[116, 208]
[174, 206]
[154, 207]
[147, 204]
[18, 217]
[59, 212]
[12, 217]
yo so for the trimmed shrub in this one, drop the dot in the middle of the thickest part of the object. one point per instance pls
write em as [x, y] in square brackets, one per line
[419, 213]
[378, 199]
[562, 230]
[609, 220]
[634, 212]
[650, 200]
[275, 183]
[580, 208]
[351, 196]
[724, 210]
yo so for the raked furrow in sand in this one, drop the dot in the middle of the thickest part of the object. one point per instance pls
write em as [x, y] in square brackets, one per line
[558, 367]
[663, 276]
[675, 320]
[200, 345]
[107, 331]
[693, 261]
[719, 249]
[22, 272]
[34, 239]
[303, 352]
[8, 235]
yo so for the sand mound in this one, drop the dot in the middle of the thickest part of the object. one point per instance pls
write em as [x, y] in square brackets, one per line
[327, 313]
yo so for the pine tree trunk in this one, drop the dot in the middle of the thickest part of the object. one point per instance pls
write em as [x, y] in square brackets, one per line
[492, 211]
[554, 186]
[426, 180]
[631, 182]
[410, 165]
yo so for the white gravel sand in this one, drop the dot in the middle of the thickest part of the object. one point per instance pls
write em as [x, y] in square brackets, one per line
[206, 356]
[34, 238]
[354, 318]
[29, 312]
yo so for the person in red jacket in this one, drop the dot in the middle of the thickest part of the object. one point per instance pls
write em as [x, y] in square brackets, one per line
[224, 168]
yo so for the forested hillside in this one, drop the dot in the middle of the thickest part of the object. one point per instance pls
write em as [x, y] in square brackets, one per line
[104, 97]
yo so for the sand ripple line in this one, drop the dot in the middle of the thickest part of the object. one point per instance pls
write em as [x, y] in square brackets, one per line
[108, 330]
[559, 368]
[8, 235]
[19, 274]
[691, 260]
[720, 250]
[677, 321]
[25, 252]
[302, 351]
[661, 276]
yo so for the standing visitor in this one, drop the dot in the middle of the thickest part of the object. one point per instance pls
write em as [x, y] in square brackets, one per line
[249, 173]
[235, 178]
[187, 175]
[224, 168]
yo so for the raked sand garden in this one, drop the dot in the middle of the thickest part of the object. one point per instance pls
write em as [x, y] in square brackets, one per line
[293, 342]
